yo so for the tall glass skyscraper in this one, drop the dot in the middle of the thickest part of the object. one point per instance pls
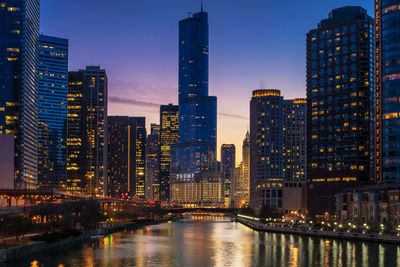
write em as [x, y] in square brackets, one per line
[387, 19]
[52, 110]
[19, 32]
[196, 149]
[195, 152]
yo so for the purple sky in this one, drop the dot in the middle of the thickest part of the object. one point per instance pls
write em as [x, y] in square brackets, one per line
[253, 44]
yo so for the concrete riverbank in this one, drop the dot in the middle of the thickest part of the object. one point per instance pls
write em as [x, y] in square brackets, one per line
[344, 235]
[14, 253]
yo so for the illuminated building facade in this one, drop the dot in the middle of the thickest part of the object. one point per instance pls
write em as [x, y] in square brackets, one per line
[340, 86]
[87, 131]
[169, 135]
[387, 105]
[193, 158]
[52, 110]
[153, 163]
[266, 149]
[295, 138]
[370, 205]
[19, 33]
[228, 164]
[245, 170]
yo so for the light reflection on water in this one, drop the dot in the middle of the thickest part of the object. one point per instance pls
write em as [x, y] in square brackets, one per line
[217, 244]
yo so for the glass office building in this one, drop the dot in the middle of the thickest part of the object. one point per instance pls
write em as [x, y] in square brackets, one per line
[387, 13]
[52, 110]
[195, 152]
[19, 33]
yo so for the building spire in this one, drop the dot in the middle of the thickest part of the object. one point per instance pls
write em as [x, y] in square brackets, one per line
[201, 4]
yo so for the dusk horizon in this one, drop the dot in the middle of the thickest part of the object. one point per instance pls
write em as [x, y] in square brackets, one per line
[141, 62]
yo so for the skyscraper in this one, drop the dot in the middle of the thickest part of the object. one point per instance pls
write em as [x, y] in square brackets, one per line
[169, 135]
[193, 157]
[340, 85]
[52, 110]
[87, 131]
[266, 149]
[121, 152]
[295, 139]
[277, 147]
[245, 171]
[153, 163]
[387, 107]
[19, 33]
[140, 133]
[228, 164]
[126, 156]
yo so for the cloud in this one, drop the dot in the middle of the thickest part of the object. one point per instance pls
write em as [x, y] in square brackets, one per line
[139, 103]
[234, 116]
[120, 100]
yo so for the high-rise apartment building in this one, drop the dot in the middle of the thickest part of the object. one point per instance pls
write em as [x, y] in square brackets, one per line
[295, 139]
[87, 131]
[52, 110]
[126, 156]
[153, 163]
[340, 86]
[194, 156]
[228, 164]
[277, 147]
[266, 149]
[169, 135]
[19, 33]
[387, 97]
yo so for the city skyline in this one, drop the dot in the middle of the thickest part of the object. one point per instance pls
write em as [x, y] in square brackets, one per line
[151, 53]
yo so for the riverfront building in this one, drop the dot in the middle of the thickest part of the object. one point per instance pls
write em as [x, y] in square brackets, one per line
[169, 135]
[295, 139]
[228, 164]
[87, 131]
[19, 33]
[340, 79]
[277, 147]
[52, 110]
[387, 106]
[193, 160]
[371, 206]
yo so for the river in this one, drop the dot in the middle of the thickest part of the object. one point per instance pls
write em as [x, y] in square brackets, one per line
[217, 244]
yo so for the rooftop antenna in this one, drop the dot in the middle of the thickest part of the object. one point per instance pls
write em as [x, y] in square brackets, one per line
[201, 3]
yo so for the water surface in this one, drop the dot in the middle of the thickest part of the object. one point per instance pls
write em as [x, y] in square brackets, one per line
[217, 244]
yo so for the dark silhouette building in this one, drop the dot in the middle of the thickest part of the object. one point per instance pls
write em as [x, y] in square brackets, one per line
[340, 86]
[228, 164]
[153, 163]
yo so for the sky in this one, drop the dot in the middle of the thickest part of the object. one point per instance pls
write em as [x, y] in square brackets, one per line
[253, 44]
